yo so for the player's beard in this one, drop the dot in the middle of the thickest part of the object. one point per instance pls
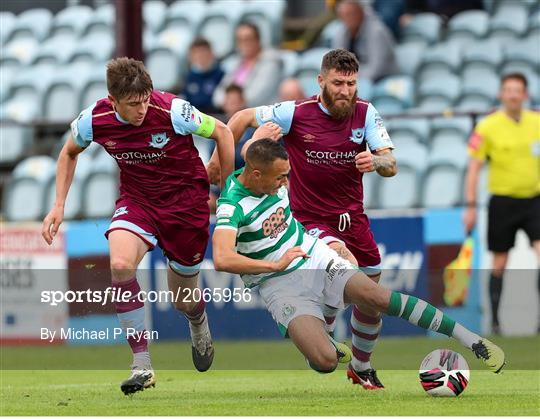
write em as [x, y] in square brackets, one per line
[338, 112]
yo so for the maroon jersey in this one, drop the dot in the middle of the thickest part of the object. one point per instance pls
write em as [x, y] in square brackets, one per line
[324, 179]
[159, 164]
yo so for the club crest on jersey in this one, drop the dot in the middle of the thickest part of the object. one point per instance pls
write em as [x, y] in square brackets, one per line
[120, 211]
[159, 140]
[357, 135]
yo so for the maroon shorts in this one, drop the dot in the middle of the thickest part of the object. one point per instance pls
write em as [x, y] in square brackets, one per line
[182, 234]
[353, 231]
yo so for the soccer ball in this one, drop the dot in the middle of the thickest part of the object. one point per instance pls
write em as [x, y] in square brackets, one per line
[444, 373]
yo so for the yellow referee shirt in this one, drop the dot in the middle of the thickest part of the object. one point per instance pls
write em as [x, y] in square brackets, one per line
[513, 153]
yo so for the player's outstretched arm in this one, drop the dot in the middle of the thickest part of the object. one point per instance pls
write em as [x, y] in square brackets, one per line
[225, 149]
[65, 168]
[227, 259]
[242, 120]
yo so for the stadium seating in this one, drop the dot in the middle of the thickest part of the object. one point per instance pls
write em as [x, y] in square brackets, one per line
[15, 140]
[425, 27]
[467, 26]
[27, 179]
[51, 69]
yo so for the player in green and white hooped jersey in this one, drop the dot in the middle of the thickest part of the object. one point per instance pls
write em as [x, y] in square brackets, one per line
[257, 237]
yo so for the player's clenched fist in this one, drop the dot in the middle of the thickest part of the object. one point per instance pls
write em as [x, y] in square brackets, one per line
[268, 130]
[364, 162]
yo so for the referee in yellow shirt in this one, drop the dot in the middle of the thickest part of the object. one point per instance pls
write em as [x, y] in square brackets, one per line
[509, 141]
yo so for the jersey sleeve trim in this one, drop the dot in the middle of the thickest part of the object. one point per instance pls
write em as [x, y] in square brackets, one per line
[280, 113]
[81, 128]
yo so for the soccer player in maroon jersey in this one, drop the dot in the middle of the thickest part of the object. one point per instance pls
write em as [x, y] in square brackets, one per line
[332, 140]
[163, 198]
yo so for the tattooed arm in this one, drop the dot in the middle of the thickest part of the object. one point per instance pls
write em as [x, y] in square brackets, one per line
[381, 161]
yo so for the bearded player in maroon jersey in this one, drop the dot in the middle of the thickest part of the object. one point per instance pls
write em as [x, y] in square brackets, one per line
[163, 198]
[332, 140]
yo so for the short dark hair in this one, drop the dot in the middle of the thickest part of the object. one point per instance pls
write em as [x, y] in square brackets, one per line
[128, 77]
[340, 60]
[515, 76]
[264, 152]
[234, 88]
[252, 26]
[200, 42]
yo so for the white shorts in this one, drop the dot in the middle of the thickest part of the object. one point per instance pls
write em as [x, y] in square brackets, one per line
[321, 280]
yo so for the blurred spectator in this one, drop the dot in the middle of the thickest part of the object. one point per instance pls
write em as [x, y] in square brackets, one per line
[389, 12]
[256, 70]
[368, 38]
[203, 76]
[233, 102]
[291, 89]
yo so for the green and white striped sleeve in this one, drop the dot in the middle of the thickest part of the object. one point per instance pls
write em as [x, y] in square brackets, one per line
[228, 215]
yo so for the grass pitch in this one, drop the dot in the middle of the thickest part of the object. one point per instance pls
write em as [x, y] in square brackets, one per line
[258, 378]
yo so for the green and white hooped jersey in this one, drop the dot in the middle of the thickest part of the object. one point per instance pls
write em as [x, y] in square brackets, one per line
[264, 225]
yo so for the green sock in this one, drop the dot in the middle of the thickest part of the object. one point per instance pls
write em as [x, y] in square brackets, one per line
[424, 315]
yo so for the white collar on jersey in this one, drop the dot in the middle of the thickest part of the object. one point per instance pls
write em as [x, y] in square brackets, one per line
[326, 111]
[122, 120]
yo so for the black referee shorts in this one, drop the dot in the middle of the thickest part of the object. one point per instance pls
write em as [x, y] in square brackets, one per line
[507, 215]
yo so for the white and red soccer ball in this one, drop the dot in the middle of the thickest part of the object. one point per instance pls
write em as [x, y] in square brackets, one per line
[444, 373]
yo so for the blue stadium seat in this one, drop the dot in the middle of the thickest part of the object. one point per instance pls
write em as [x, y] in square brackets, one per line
[56, 50]
[408, 57]
[99, 193]
[93, 87]
[219, 24]
[445, 87]
[73, 205]
[309, 66]
[395, 91]
[61, 100]
[183, 18]
[442, 186]
[399, 192]
[408, 130]
[28, 179]
[481, 56]
[436, 61]
[268, 16]
[26, 93]
[166, 67]
[101, 22]
[482, 85]
[365, 88]
[32, 23]
[508, 24]
[469, 25]
[290, 62]
[15, 141]
[522, 56]
[423, 27]
[369, 181]
[154, 14]
[533, 29]
[86, 50]
[457, 126]
[448, 151]
[21, 49]
[7, 23]
[71, 20]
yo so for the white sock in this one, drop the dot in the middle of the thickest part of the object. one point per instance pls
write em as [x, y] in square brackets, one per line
[465, 336]
[360, 365]
[142, 360]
